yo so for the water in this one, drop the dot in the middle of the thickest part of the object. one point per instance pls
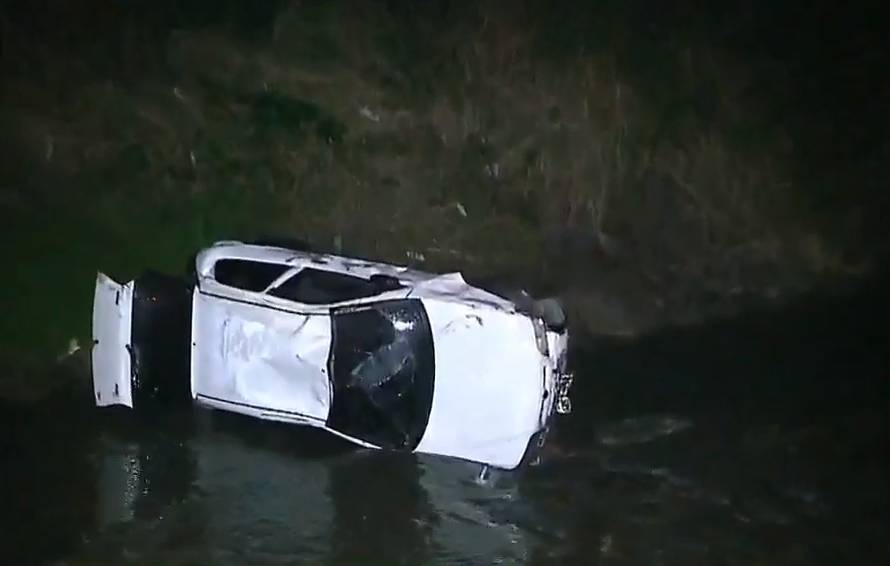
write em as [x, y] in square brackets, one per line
[761, 440]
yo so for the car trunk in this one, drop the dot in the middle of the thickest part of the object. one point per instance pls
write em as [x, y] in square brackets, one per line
[141, 340]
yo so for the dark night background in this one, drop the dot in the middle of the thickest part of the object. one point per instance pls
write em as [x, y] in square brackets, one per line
[703, 183]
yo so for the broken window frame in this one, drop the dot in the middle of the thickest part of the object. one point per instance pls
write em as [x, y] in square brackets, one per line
[366, 287]
[262, 280]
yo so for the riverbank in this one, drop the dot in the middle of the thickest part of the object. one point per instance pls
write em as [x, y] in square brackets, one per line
[637, 178]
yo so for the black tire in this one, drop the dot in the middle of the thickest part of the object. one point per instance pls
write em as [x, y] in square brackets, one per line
[552, 313]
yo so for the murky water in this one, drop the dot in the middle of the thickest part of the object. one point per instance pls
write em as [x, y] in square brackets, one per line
[758, 441]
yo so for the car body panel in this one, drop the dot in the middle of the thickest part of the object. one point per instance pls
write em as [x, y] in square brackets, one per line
[249, 355]
[450, 287]
[487, 401]
[111, 361]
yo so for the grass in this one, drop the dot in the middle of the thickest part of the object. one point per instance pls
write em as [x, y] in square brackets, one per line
[464, 135]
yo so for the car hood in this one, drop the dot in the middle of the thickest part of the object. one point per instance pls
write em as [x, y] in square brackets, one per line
[490, 380]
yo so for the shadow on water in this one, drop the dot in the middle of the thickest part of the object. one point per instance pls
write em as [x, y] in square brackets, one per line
[191, 486]
[760, 439]
[819, 355]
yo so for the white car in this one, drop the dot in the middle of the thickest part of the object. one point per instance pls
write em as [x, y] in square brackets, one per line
[381, 355]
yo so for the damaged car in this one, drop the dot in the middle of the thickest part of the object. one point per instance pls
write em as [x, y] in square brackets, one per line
[384, 356]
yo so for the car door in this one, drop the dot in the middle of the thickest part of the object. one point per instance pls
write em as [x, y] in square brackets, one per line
[252, 359]
[112, 327]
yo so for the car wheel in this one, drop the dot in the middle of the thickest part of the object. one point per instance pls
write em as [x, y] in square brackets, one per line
[552, 313]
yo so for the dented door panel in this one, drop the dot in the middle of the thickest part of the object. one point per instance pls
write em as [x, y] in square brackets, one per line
[255, 360]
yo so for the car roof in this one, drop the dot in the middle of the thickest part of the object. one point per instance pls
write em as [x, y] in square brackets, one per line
[448, 287]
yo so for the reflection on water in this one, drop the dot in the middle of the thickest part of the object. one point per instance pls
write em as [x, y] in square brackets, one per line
[761, 440]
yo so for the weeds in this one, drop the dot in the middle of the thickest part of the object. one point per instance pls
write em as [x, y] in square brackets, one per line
[465, 139]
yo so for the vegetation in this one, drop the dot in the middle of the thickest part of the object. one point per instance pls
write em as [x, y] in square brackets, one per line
[486, 138]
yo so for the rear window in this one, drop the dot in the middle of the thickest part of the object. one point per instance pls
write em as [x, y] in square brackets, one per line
[246, 274]
[383, 372]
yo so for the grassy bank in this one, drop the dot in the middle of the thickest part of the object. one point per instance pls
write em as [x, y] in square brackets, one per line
[473, 138]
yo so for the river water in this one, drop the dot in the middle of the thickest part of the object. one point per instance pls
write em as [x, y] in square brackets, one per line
[758, 440]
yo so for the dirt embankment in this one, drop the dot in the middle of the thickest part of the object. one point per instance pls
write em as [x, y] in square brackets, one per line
[454, 137]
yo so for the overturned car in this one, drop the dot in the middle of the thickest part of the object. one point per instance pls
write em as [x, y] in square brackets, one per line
[381, 355]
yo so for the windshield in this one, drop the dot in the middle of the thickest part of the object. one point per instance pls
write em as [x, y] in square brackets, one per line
[383, 370]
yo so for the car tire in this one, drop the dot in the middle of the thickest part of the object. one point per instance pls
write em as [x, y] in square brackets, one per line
[552, 313]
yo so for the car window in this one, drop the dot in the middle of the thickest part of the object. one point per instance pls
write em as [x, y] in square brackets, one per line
[246, 274]
[382, 368]
[317, 287]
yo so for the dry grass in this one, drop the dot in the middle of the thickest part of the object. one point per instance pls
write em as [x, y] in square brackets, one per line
[504, 135]
[462, 145]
